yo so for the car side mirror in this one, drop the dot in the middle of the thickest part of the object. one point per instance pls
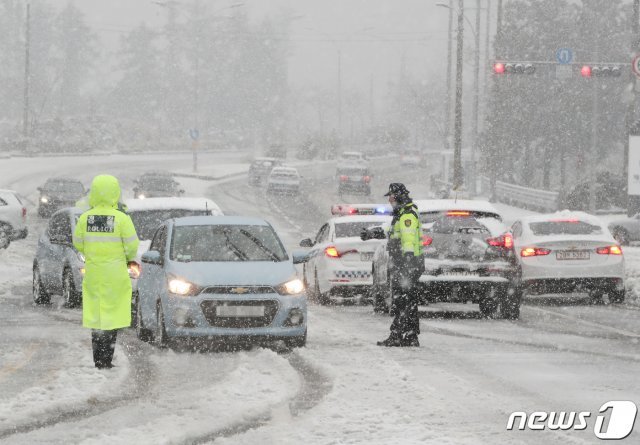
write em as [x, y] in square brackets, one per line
[152, 257]
[306, 243]
[300, 257]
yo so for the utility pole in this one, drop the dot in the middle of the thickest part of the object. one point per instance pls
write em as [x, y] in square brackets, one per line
[633, 206]
[487, 53]
[339, 97]
[27, 74]
[593, 159]
[447, 123]
[496, 49]
[371, 103]
[476, 102]
[458, 180]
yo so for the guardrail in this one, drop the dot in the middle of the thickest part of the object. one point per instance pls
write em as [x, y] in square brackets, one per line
[519, 196]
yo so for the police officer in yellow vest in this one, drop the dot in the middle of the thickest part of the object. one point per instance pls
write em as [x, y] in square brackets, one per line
[107, 239]
[406, 264]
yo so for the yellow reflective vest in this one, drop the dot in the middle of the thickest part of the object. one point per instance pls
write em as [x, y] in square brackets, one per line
[407, 230]
[107, 239]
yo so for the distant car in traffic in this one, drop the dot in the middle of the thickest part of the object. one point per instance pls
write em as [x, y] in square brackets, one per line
[626, 230]
[354, 179]
[568, 252]
[156, 184]
[468, 257]
[58, 193]
[284, 180]
[223, 278]
[13, 218]
[413, 158]
[260, 168]
[339, 262]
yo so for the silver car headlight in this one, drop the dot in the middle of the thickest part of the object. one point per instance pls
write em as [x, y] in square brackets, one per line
[44, 199]
[141, 196]
[292, 287]
[182, 287]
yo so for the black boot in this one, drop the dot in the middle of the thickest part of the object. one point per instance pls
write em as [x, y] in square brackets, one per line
[411, 341]
[390, 342]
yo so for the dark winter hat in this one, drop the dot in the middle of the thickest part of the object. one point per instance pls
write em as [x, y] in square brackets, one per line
[397, 189]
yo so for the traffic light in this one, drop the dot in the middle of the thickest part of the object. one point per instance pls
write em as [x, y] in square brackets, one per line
[513, 68]
[600, 71]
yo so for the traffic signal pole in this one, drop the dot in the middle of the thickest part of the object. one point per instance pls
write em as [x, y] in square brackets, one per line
[633, 203]
[458, 180]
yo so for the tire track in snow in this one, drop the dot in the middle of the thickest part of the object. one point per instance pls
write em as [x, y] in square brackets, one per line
[314, 386]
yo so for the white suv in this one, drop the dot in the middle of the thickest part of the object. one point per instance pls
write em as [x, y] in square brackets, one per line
[13, 215]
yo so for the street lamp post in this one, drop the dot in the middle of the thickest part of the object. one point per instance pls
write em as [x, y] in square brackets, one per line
[458, 180]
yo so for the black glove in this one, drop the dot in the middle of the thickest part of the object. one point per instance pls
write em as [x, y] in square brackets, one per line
[364, 234]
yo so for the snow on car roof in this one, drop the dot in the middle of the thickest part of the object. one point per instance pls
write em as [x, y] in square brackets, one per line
[172, 203]
[220, 220]
[360, 218]
[284, 170]
[564, 215]
[438, 205]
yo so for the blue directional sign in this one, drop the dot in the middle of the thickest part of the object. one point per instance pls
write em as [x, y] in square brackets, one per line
[194, 134]
[564, 56]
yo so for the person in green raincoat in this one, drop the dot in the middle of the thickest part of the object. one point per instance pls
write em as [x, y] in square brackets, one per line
[107, 238]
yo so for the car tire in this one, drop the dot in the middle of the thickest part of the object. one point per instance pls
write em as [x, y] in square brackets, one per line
[5, 238]
[40, 296]
[510, 306]
[160, 336]
[297, 342]
[617, 297]
[320, 298]
[72, 298]
[142, 333]
[621, 236]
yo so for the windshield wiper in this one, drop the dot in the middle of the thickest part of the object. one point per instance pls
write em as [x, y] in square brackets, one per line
[239, 253]
[258, 243]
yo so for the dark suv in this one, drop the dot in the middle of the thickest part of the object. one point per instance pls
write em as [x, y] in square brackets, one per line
[260, 169]
[156, 184]
[58, 193]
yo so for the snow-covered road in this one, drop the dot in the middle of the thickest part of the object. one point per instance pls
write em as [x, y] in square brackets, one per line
[459, 387]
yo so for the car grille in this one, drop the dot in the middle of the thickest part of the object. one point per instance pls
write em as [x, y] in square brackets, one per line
[239, 290]
[209, 310]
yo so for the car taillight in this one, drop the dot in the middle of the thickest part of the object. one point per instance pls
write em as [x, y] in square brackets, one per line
[344, 178]
[458, 213]
[534, 251]
[332, 252]
[609, 250]
[367, 179]
[426, 240]
[505, 241]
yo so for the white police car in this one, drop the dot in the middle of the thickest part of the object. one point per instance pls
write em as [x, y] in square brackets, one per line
[339, 262]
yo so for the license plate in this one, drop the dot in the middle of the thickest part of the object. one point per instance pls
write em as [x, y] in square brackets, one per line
[572, 255]
[460, 273]
[366, 256]
[240, 311]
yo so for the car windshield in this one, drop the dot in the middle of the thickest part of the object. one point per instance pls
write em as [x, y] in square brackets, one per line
[64, 187]
[226, 243]
[157, 183]
[351, 229]
[351, 157]
[147, 221]
[565, 227]
[284, 175]
[459, 225]
[263, 164]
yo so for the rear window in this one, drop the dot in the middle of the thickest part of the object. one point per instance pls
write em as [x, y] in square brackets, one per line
[64, 187]
[459, 225]
[431, 217]
[353, 171]
[564, 228]
[147, 221]
[351, 229]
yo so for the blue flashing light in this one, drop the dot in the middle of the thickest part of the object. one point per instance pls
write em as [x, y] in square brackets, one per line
[382, 210]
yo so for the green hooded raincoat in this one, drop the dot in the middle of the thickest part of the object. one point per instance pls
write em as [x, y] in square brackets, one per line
[107, 238]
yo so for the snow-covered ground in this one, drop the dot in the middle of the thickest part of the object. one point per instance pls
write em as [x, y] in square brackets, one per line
[459, 387]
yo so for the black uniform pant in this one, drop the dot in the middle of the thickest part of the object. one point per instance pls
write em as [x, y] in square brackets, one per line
[406, 322]
[104, 344]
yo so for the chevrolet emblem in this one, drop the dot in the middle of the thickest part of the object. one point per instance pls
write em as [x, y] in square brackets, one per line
[239, 290]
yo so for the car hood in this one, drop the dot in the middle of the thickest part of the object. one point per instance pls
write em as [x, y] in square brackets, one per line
[227, 273]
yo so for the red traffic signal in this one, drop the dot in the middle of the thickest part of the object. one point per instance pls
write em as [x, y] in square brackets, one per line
[585, 71]
[600, 71]
[498, 68]
[513, 68]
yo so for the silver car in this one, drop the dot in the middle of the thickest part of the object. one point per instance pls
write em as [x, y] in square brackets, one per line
[221, 278]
